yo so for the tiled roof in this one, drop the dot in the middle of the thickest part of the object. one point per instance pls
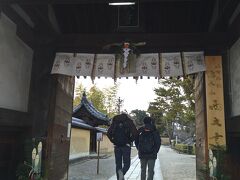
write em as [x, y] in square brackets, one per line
[82, 124]
[104, 130]
[91, 109]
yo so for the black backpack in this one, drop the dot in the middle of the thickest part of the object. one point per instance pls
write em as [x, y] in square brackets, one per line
[121, 133]
[146, 142]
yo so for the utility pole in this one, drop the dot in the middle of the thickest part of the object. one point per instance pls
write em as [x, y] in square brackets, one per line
[119, 104]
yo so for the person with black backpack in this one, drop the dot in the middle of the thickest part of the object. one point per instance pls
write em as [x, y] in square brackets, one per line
[122, 133]
[148, 143]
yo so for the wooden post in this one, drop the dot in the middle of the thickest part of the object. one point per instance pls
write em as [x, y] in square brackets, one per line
[98, 157]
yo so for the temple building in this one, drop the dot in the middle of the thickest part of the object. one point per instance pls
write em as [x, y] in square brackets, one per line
[86, 111]
[86, 116]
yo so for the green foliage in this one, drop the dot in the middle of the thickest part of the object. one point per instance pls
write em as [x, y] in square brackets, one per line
[158, 117]
[103, 100]
[79, 92]
[219, 152]
[184, 148]
[97, 97]
[111, 100]
[22, 172]
[138, 116]
[174, 104]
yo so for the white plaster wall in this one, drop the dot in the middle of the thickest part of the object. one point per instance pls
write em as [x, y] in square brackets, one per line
[15, 67]
[80, 142]
[235, 77]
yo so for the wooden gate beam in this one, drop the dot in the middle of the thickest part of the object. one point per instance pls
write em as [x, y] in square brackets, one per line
[82, 1]
[94, 43]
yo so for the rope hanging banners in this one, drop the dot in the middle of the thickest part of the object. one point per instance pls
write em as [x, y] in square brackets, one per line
[129, 64]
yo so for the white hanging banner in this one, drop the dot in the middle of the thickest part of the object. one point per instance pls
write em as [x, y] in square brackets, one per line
[83, 64]
[104, 65]
[63, 64]
[148, 65]
[171, 64]
[193, 62]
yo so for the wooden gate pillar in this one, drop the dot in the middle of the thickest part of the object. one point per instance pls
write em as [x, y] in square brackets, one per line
[58, 139]
[201, 125]
[50, 105]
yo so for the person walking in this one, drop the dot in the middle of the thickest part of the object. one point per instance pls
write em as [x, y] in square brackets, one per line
[122, 132]
[148, 143]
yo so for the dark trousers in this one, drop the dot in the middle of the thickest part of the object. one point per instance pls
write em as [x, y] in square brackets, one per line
[122, 158]
[150, 163]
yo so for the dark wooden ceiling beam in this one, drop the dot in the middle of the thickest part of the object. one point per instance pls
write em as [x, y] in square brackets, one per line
[83, 1]
[93, 43]
[53, 19]
[40, 16]
[222, 14]
[43, 15]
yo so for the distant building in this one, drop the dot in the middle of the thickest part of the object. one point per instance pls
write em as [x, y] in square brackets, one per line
[85, 110]
[85, 125]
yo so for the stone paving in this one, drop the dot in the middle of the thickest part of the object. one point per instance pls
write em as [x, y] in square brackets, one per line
[170, 165]
[87, 170]
[135, 171]
[177, 166]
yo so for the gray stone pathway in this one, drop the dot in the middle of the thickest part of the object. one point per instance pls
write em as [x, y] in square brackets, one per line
[87, 170]
[170, 165]
[177, 166]
[135, 171]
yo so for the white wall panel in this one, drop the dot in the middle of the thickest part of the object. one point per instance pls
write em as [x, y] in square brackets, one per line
[15, 67]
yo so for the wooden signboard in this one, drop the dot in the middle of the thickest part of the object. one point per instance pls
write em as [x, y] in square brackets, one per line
[215, 102]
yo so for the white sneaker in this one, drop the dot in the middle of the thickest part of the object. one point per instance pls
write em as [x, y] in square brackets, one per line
[120, 175]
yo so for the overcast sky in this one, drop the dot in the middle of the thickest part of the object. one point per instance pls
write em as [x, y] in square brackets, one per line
[134, 95]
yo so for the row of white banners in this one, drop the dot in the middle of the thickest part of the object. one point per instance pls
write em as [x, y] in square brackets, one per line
[107, 65]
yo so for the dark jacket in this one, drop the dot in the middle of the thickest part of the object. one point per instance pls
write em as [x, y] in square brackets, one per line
[115, 121]
[157, 142]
